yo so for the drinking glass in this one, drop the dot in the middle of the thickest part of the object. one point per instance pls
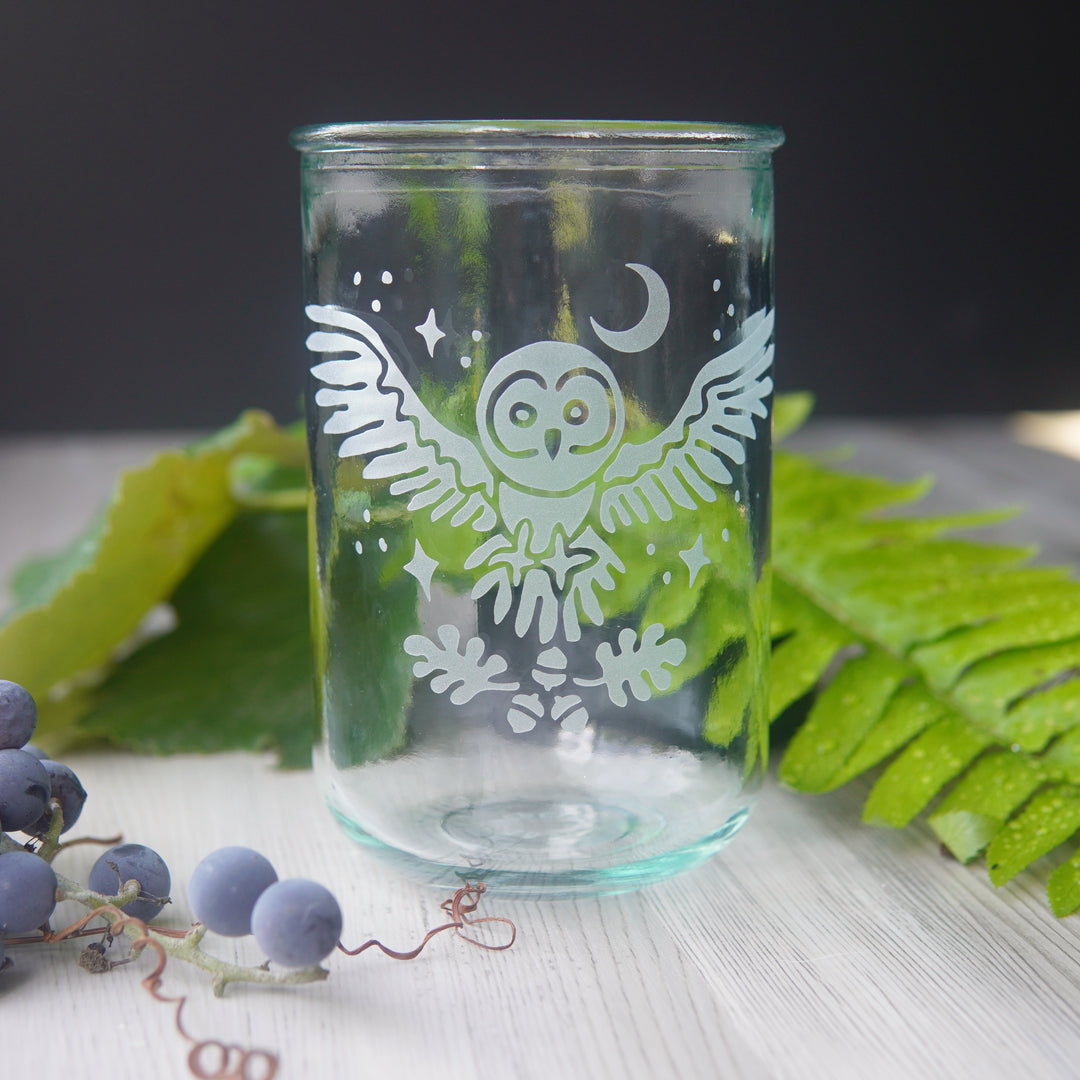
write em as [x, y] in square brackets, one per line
[539, 426]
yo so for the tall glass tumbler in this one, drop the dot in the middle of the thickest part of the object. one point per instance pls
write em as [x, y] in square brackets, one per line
[539, 423]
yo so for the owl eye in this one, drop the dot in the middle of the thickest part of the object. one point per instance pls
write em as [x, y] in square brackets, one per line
[522, 415]
[576, 412]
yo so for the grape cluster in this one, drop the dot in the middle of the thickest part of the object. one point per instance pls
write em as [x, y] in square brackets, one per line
[234, 891]
[133, 862]
[28, 778]
[28, 781]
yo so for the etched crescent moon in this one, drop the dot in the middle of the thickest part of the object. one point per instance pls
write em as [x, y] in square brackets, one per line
[653, 323]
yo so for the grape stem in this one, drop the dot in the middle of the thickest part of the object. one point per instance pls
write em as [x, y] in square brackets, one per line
[181, 944]
[50, 842]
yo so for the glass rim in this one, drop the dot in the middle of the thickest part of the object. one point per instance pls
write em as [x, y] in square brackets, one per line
[411, 136]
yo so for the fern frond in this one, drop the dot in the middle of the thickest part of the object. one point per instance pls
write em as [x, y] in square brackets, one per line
[953, 664]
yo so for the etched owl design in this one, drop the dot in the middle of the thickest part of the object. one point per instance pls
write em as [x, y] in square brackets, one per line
[552, 474]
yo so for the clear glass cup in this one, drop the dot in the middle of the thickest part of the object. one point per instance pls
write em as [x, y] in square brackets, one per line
[539, 404]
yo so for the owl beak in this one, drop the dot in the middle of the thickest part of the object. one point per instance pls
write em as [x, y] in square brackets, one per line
[552, 438]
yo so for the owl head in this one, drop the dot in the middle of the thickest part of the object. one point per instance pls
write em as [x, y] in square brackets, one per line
[550, 415]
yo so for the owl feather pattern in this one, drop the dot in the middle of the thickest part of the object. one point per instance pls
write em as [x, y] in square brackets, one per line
[550, 469]
[446, 471]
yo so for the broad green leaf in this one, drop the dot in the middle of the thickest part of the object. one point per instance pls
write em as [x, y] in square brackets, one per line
[262, 482]
[38, 579]
[74, 612]
[236, 672]
[790, 412]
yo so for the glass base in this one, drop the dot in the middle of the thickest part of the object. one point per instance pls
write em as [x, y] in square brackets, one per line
[550, 847]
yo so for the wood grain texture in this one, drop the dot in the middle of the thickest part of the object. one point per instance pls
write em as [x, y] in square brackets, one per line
[813, 947]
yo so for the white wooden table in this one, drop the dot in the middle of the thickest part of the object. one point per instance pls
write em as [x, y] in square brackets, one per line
[812, 947]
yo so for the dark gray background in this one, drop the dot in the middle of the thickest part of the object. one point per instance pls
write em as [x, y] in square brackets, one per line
[927, 237]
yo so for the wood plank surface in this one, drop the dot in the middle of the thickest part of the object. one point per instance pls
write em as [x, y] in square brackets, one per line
[813, 947]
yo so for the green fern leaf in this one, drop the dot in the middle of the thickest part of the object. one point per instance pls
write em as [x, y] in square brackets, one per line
[1063, 887]
[952, 665]
[939, 754]
[1049, 818]
[840, 719]
[992, 790]
[911, 710]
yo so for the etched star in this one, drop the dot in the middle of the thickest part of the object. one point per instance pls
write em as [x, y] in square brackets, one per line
[430, 332]
[695, 557]
[422, 566]
[561, 563]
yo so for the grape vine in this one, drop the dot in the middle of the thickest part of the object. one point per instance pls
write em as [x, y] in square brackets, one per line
[234, 891]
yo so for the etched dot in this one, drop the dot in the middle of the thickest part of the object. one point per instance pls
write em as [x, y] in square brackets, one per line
[387, 278]
[667, 577]
[357, 278]
[367, 514]
[382, 543]
[716, 335]
[466, 361]
[726, 535]
[359, 547]
[476, 335]
[738, 496]
[716, 285]
[650, 549]
[731, 309]
[376, 305]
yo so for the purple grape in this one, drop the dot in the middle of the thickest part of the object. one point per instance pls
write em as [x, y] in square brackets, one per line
[128, 862]
[24, 789]
[27, 892]
[296, 922]
[35, 751]
[64, 786]
[224, 887]
[18, 715]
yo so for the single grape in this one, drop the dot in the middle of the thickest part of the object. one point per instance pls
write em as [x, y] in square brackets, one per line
[18, 715]
[296, 922]
[128, 862]
[24, 789]
[35, 751]
[65, 786]
[224, 887]
[27, 892]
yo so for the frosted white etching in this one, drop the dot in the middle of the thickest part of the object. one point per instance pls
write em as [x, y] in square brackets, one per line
[552, 476]
[467, 671]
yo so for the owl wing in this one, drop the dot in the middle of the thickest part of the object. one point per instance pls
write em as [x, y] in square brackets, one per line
[684, 463]
[386, 421]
